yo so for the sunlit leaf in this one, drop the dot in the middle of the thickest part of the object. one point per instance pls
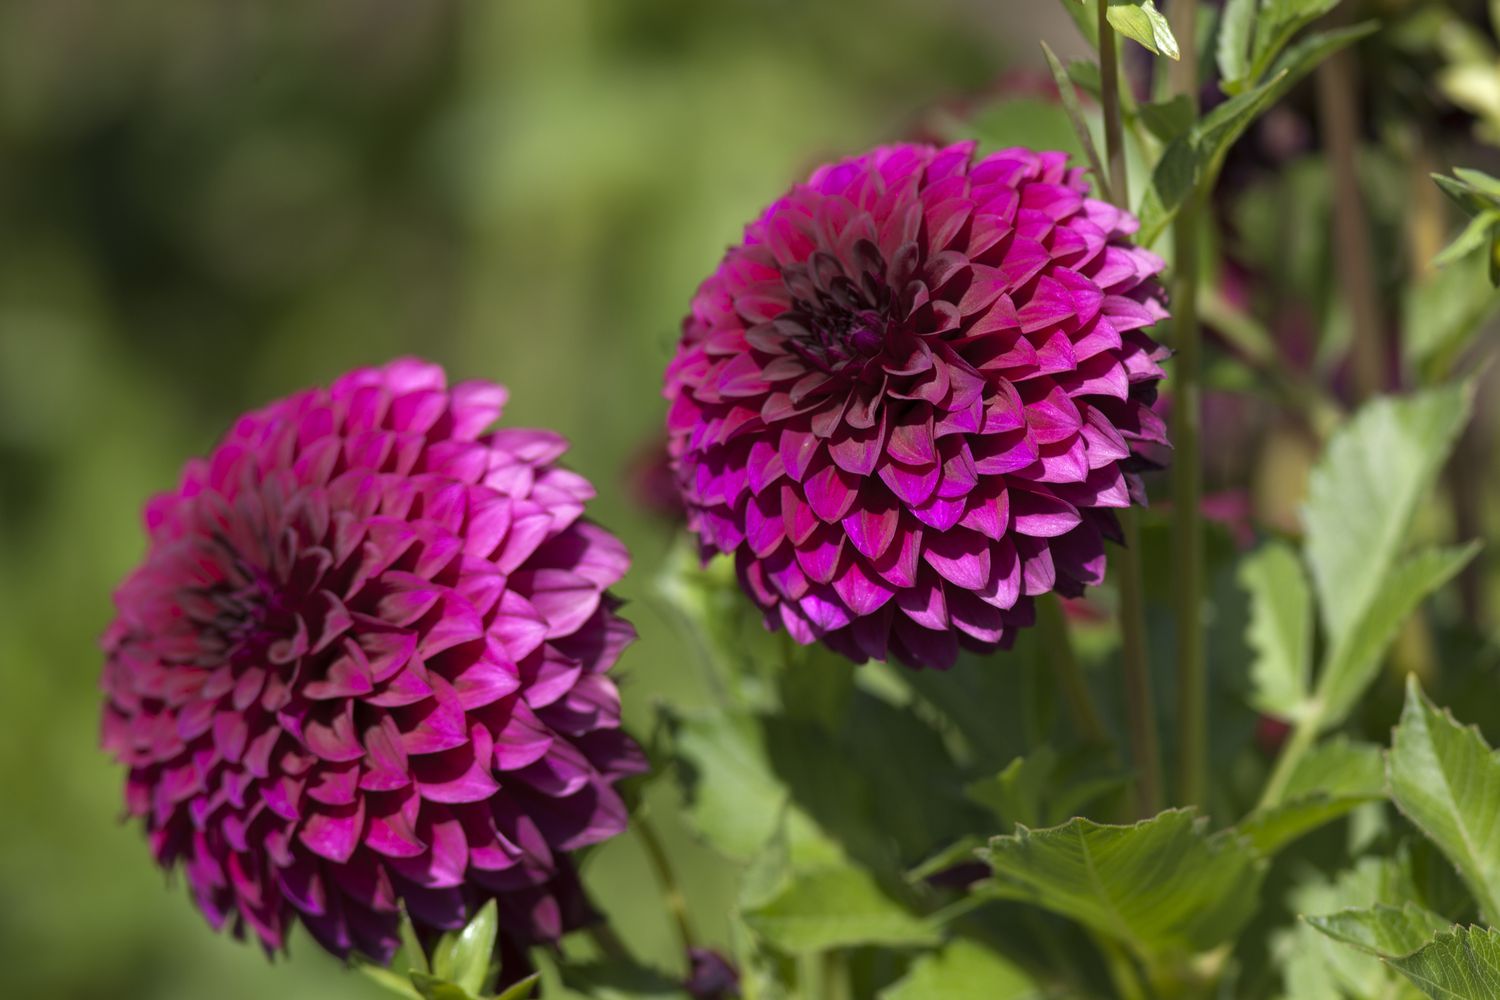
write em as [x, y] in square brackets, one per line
[1446, 779]
[436, 988]
[1281, 630]
[464, 957]
[1161, 886]
[1462, 964]
[1363, 492]
[1382, 930]
[1356, 654]
[1140, 21]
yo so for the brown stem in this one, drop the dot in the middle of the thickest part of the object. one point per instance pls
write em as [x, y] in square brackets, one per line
[1338, 113]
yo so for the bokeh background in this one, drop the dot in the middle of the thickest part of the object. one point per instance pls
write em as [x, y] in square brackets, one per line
[205, 205]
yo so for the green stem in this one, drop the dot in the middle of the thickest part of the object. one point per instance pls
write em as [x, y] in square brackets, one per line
[1145, 755]
[1338, 114]
[1140, 706]
[1109, 96]
[1187, 471]
[661, 866]
[1075, 690]
[1304, 734]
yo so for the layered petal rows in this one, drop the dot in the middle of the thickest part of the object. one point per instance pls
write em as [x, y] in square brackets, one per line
[363, 664]
[908, 402]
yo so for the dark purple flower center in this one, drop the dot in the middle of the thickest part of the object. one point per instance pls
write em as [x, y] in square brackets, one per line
[251, 612]
[841, 316]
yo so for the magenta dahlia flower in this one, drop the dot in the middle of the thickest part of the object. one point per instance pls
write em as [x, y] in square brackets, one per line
[908, 402]
[364, 665]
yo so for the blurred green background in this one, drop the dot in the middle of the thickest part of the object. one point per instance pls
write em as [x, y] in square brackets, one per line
[206, 205]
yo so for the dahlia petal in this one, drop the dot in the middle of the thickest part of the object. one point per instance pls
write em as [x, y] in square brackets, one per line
[565, 599]
[334, 832]
[872, 525]
[960, 557]
[1041, 515]
[831, 492]
[819, 558]
[912, 484]
[861, 592]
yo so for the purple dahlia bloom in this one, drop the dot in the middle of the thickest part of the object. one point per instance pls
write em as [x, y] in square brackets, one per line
[364, 664]
[908, 402]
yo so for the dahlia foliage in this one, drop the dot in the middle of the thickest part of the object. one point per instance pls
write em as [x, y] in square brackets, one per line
[909, 401]
[364, 667]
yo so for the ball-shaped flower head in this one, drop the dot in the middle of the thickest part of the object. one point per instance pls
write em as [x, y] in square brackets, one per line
[908, 402]
[363, 664]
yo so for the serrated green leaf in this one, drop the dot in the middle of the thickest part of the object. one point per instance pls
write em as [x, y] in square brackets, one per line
[1236, 27]
[1331, 780]
[1162, 886]
[1320, 968]
[963, 970]
[1363, 492]
[1069, 98]
[1140, 21]
[1446, 780]
[836, 907]
[520, 989]
[1382, 930]
[1281, 630]
[1356, 655]
[1463, 964]
[463, 957]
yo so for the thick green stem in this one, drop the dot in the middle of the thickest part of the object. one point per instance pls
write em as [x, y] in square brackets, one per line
[1187, 522]
[1109, 97]
[1140, 707]
[1304, 734]
[1145, 754]
[1087, 721]
[1187, 469]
